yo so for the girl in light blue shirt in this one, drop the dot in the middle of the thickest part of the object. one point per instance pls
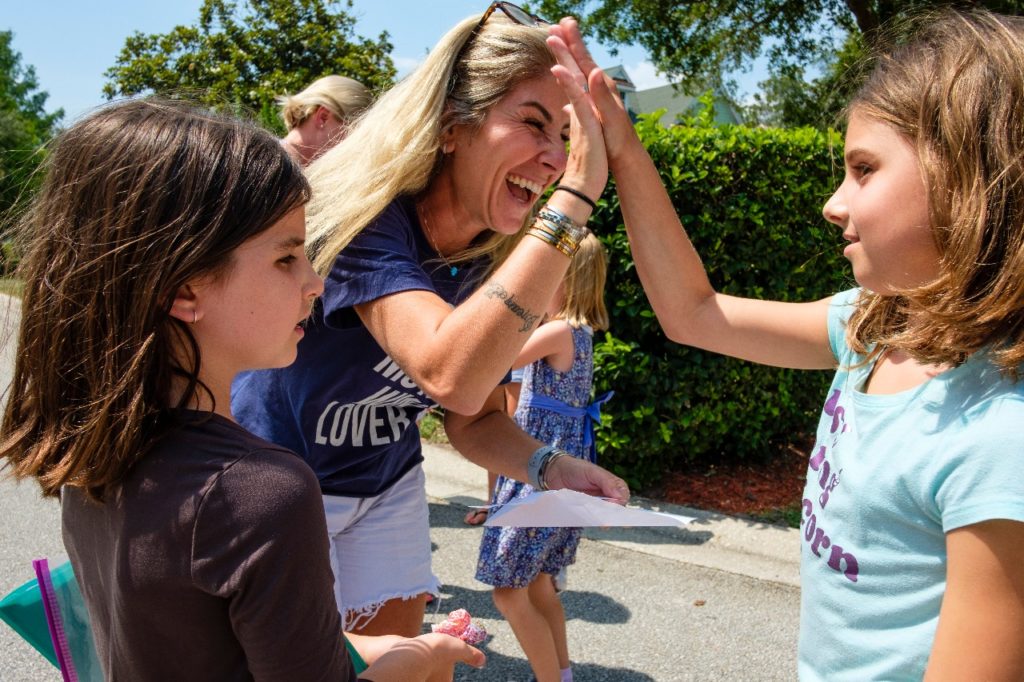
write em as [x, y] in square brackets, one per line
[913, 510]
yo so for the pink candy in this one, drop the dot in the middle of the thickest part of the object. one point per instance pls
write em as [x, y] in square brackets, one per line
[458, 624]
[473, 634]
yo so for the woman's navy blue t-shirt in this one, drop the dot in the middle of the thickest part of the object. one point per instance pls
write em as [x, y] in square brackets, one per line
[344, 405]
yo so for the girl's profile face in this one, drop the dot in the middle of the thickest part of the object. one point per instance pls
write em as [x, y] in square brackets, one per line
[250, 317]
[882, 208]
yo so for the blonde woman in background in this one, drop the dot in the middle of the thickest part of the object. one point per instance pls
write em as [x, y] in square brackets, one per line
[405, 217]
[319, 117]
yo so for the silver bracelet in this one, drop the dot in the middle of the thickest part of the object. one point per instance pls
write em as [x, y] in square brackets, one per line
[536, 464]
[548, 461]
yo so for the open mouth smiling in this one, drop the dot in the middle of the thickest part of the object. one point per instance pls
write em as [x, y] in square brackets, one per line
[523, 189]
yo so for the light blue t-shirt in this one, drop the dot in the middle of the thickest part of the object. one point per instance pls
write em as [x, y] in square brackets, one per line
[888, 477]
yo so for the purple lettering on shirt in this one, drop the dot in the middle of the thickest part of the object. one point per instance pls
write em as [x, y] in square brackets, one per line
[812, 522]
[840, 557]
[818, 458]
[833, 400]
[838, 419]
[820, 540]
[825, 469]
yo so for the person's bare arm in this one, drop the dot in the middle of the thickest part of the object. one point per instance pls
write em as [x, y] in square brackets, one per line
[493, 441]
[552, 342]
[689, 310]
[458, 355]
[427, 658]
[981, 626]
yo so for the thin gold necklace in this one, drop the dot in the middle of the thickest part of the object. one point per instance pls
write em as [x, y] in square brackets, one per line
[428, 231]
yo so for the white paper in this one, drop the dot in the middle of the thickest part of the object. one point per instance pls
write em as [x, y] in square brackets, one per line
[568, 508]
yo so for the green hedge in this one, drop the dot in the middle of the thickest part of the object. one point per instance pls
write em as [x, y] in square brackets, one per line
[750, 199]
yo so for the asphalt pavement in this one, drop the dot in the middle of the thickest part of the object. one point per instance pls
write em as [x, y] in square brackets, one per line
[717, 600]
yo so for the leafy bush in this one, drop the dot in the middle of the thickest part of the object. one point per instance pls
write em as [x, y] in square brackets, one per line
[8, 258]
[750, 199]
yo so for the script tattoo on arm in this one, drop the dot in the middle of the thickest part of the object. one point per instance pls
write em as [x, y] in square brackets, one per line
[495, 290]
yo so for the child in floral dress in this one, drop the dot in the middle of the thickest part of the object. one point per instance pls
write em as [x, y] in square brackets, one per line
[553, 408]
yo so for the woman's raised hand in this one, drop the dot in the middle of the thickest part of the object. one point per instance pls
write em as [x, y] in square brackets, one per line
[575, 63]
[587, 167]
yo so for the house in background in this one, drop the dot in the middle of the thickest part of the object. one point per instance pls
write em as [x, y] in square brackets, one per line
[666, 97]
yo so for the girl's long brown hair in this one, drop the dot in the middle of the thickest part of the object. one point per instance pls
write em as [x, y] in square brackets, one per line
[956, 92]
[139, 199]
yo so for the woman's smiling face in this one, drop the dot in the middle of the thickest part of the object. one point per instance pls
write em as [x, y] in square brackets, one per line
[498, 171]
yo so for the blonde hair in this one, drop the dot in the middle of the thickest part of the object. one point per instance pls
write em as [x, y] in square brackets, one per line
[584, 286]
[395, 148]
[955, 91]
[344, 97]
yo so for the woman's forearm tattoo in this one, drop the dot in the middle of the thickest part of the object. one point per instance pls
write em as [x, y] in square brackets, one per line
[495, 290]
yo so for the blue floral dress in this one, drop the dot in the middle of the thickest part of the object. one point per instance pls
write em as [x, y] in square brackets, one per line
[513, 557]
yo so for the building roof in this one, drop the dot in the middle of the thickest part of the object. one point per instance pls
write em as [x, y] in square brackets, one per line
[675, 102]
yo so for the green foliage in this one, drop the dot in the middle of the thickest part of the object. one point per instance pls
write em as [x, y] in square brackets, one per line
[750, 199]
[789, 98]
[432, 427]
[242, 55]
[24, 128]
[695, 43]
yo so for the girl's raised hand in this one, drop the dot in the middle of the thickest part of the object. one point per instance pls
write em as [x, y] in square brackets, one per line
[575, 61]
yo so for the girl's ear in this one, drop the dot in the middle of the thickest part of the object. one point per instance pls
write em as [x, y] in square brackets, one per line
[185, 306]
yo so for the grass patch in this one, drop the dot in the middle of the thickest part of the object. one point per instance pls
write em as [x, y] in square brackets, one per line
[11, 286]
[432, 428]
[783, 516]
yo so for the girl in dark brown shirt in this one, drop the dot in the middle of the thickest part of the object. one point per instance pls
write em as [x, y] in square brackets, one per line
[165, 254]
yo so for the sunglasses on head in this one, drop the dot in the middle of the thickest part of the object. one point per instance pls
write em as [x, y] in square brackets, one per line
[513, 12]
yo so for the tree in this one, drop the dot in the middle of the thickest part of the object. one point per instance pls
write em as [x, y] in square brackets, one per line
[24, 126]
[694, 43]
[789, 98]
[242, 55]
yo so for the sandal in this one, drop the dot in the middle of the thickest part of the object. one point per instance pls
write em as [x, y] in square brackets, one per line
[476, 517]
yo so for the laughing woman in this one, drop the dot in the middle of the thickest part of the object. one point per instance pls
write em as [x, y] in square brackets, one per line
[406, 216]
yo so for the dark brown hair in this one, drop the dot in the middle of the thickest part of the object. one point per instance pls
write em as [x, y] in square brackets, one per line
[139, 199]
[956, 92]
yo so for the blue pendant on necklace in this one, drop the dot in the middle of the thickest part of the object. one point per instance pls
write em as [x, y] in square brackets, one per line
[454, 270]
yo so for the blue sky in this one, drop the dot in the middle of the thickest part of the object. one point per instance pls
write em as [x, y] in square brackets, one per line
[71, 43]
